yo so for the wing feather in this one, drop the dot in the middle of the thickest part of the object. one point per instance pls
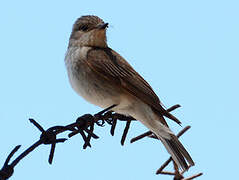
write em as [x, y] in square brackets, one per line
[113, 67]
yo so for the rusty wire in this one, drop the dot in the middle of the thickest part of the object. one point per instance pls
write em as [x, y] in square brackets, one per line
[85, 126]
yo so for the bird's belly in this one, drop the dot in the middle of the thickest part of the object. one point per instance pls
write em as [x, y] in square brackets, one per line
[94, 89]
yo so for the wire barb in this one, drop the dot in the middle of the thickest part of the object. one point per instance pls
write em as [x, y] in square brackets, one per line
[8, 169]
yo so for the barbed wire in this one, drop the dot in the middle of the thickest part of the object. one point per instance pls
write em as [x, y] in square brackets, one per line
[84, 125]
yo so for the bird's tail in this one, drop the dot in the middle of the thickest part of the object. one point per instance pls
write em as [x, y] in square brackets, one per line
[157, 124]
[179, 154]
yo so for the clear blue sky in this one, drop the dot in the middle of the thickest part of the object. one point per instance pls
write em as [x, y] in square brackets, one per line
[187, 51]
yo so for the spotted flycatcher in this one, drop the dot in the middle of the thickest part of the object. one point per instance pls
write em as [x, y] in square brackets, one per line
[103, 77]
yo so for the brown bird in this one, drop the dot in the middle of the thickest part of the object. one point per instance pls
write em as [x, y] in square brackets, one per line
[102, 77]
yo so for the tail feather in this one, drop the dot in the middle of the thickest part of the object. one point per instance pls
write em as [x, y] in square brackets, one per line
[157, 124]
[178, 152]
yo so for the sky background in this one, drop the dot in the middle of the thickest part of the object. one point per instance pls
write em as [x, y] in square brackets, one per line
[187, 50]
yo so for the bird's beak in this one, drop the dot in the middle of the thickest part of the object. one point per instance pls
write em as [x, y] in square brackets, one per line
[103, 26]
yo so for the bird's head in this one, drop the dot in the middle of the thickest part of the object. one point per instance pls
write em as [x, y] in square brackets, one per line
[89, 31]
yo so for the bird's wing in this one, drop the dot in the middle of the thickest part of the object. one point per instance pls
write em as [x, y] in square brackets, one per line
[112, 66]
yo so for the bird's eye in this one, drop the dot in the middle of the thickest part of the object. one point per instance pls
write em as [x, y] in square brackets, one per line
[83, 28]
